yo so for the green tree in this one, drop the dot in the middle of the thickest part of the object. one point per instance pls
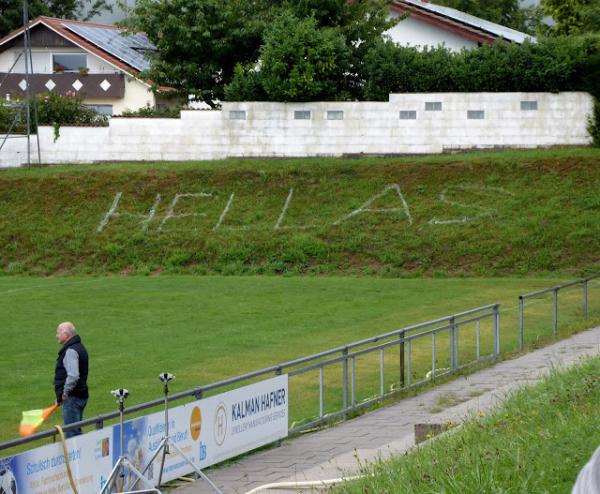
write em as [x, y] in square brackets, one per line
[300, 62]
[199, 42]
[315, 49]
[11, 11]
[508, 13]
[361, 22]
[572, 17]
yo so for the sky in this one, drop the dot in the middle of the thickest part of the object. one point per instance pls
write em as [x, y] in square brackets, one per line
[116, 15]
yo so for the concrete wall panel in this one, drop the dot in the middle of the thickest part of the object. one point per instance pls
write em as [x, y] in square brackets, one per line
[271, 130]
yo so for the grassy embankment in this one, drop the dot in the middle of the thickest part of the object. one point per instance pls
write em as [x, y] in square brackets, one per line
[494, 214]
[536, 442]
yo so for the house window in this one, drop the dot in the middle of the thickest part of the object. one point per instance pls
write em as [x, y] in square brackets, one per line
[335, 115]
[102, 109]
[237, 115]
[408, 115]
[69, 62]
[529, 105]
[302, 115]
[475, 114]
[433, 106]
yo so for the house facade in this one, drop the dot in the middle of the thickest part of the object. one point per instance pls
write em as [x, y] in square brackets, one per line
[429, 24]
[95, 61]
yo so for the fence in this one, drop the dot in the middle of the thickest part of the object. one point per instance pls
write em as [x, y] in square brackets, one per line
[410, 344]
[570, 299]
[409, 347]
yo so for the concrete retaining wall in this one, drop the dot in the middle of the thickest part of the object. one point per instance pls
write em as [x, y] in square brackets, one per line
[407, 124]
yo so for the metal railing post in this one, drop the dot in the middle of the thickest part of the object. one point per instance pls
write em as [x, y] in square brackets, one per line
[433, 356]
[409, 362]
[478, 339]
[353, 383]
[497, 330]
[585, 299]
[555, 319]
[521, 309]
[401, 359]
[381, 372]
[456, 345]
[451, 322]
[321, 406]
[345, 378]
[278, 372]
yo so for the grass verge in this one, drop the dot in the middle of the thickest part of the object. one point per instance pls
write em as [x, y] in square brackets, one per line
[536, 442]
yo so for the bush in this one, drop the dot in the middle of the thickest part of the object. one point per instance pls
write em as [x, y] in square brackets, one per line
[7, 116]
[553, 64]
[299, 61]
[246, 85]
[151, 112]
[390, 68]
[52, 109]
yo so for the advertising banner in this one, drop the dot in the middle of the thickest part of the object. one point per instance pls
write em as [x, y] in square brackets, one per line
[206, 431]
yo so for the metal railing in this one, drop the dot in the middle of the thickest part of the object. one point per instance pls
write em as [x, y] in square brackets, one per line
[346, 356]
[584, 282]
[404, 339]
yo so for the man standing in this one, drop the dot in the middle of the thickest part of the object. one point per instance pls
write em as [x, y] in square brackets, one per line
[70, 375]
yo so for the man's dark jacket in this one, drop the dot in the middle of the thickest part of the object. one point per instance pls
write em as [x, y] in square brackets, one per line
[60, 373]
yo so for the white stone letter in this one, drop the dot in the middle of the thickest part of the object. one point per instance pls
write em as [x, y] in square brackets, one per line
[171, 212]
[365, 207]
[112, 213]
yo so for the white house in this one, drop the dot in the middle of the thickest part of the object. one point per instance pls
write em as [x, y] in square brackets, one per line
[94, 60]
[429, 24]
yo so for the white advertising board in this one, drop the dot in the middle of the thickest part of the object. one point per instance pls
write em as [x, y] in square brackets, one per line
[207, 431]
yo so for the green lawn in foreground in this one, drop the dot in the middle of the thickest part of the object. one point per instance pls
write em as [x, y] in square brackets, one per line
[535, 443]
[207, 328]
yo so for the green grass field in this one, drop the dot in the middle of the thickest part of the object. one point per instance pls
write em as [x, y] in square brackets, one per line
[535, 442]
[207, 328]
[386, 242]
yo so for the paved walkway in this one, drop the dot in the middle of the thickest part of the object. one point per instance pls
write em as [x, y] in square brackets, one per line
[390, 430]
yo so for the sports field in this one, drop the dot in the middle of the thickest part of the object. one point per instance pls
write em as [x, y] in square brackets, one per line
[170, 267]
[207, 328]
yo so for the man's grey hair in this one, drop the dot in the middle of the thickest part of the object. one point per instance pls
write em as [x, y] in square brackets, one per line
[68, 327]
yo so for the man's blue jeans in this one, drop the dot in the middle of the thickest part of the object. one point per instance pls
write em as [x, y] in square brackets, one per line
[72, 410]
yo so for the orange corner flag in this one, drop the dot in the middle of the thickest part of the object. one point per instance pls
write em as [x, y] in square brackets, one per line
[32, 419]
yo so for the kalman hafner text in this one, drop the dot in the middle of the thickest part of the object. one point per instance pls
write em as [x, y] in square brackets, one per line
[256, 404]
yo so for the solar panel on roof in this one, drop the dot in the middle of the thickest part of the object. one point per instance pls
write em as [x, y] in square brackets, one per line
[128, 48]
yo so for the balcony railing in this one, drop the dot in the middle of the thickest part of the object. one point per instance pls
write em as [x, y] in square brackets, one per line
[109, 86]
